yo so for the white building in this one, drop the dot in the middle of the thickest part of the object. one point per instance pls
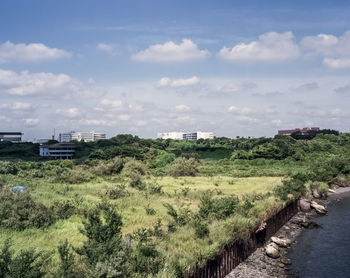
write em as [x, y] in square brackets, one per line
[58, 151]
[81, 136]
[171, 135]
[186, 135]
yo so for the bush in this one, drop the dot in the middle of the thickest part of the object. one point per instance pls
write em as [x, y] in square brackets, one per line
[219, 208]
[136, 181]
[18, 211]
[133, 166]
[26, 264]
[184, 167]
[202, 230]
[294, 186]
[64, 209]
[67, 267]
[117, 192]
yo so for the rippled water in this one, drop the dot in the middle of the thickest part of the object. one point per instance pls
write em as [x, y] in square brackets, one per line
[325, 252]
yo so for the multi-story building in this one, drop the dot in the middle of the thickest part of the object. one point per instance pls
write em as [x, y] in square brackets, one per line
[14, 137]
[186, 135]
[301, 130]
[81, 136]
[58, 151]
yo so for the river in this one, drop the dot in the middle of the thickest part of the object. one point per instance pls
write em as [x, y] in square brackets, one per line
[325, 252]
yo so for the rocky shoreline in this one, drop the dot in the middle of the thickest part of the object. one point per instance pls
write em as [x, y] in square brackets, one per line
[271, 260]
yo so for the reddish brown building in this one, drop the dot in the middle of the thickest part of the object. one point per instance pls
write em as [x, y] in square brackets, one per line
[302, 130]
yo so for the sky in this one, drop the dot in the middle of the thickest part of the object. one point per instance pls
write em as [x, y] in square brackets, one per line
[236, 68]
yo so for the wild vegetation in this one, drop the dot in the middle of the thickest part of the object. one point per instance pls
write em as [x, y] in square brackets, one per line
[131, 207]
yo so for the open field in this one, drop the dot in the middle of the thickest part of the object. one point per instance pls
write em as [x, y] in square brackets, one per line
[181, 192]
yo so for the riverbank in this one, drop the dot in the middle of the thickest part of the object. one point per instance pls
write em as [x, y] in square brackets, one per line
[262, 266]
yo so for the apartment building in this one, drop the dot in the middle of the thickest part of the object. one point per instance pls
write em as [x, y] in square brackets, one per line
[14, 137]
[301, 130]
[58, 151]
[81, 136]
[192, 136]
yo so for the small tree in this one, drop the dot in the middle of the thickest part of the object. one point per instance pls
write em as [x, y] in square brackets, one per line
[184, 167]
[67, 263]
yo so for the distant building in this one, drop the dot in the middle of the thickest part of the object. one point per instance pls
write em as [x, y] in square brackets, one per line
[81, 136]
[176, 135]
[303, 131]
[14, 137]
[58, 151]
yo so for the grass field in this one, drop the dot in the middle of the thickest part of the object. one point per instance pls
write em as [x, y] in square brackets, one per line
[182, 192]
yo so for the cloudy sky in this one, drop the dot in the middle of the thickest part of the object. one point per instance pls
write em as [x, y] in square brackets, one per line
[237, 68]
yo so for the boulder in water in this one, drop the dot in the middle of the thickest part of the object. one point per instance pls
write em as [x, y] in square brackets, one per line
[319, 208]
[272, 251]
[304, 205]
[281, 242]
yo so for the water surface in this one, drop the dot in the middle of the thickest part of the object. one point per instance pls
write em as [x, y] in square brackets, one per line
[325, 252]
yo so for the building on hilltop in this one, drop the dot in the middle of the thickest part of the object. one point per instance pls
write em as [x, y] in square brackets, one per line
[14, 137]
[303, 131]
[81, 136]
[176, 135]
[58, 151]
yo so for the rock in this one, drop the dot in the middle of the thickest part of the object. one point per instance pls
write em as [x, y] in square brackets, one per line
[304, 205]
[281, 242]
[281, 265]
[315, 193]
[331, 190]
[286, 261]
[272, 251]
[319, 208]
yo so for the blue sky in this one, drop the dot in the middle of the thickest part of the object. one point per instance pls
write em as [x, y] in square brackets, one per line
[245, 68]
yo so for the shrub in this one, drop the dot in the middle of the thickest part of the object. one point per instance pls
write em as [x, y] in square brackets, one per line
[26, 264]
[64, 209]
[105, 250]
[155, 189]
[67, 267]
[145, 257]
[201, 230]
[219, 208]
[149, 210]
[294, 186]
[184, 167]
[133, 166]
[18, 211]
[136, 181]
[117, 192]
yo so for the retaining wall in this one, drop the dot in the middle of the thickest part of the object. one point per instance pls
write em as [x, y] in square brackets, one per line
[236, 252]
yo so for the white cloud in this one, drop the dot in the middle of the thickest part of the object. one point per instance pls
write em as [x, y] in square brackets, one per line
[182, 108]
[30, 122]
[33, 52]
[343, 89]
[69, 113]
[335, 50]
[176, 83]
[97, 122]
[17, 106]
[337, 63]
[240, 111]
[107, 48]
[171, 52]
[235, 88]
[163, 82]
[109, 104]
[270, 47]
[26, 83]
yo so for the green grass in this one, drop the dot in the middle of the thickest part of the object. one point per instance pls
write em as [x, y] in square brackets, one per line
[180, 192]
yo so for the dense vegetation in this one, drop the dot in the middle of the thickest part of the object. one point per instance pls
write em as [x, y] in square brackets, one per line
[131, 207]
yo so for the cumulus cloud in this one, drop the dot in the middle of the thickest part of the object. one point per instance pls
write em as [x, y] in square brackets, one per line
[17, 106]
[182, 108]
[171, 52]
[69, 113]
[33, 52]
[43, 83]
[235, 87]
[181, 82]
[30, 122]
[270, 47]
[335, 50]
[107, 48]
[245, 111]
